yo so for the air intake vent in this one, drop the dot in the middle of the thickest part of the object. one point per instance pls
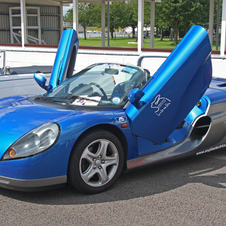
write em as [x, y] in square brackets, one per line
[202, 126]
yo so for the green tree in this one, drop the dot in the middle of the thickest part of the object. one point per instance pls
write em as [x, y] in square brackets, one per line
[117, 16]
[84, 16]
[132, 14]
[182, 14]
[89, 14]
[172, 11]
[68, 17]
[179, 15]
[94, 14]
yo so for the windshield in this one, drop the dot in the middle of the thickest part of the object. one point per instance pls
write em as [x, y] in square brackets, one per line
[100, 84]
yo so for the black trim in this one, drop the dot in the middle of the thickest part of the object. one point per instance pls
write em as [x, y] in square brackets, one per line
[68, 106]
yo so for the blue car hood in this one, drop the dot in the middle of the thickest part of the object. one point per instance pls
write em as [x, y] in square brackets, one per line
[18, 116]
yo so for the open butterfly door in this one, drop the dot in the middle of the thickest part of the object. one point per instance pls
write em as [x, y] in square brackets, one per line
[65, 58]
[173, 90]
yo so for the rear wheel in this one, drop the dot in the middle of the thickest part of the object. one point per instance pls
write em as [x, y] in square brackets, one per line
[96, 162]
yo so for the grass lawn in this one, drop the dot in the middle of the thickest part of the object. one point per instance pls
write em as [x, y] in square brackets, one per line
[128, 42]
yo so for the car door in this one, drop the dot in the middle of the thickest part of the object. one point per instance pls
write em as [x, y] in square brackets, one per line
[173, 90]
[65, 58]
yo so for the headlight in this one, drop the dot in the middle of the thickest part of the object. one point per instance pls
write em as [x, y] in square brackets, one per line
[34, 142]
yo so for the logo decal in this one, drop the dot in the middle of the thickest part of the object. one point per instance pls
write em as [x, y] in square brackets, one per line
[161, 103]
[121, 119]
[116, 100]
[211, 149]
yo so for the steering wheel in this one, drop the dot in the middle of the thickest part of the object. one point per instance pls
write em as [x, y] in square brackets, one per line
[102, 91]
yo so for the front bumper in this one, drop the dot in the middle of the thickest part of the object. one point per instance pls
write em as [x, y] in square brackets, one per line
[32, 185]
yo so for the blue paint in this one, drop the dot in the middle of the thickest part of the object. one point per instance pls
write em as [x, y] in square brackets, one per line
[168, 98]
[68, 43]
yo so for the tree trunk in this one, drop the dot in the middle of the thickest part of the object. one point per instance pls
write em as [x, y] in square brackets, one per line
[157, 31]
[133, 32]
[112, 33]
[161, 33]
[171, 34]
[84, 29]
[176, 35]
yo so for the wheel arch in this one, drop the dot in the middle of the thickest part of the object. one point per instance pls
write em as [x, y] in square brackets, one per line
[110, 128]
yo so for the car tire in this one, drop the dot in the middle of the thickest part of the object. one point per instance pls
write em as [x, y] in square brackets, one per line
[96, 162]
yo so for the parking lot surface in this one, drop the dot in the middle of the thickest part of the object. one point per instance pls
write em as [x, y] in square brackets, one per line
[191, 191]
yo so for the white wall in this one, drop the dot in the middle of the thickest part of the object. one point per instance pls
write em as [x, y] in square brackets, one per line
[84, 59]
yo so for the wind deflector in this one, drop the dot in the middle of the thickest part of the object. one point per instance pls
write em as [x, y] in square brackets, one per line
[174, 89]
[65, 58]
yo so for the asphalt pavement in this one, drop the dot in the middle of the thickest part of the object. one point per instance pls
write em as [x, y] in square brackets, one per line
[191, 191]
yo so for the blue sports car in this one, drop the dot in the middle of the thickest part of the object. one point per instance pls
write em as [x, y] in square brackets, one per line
[108, 118]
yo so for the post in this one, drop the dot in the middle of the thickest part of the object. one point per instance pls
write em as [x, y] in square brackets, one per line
[223, 28]
[211, 16]
[103, 24]
[23, 23]
[152, 36]
[108, 24]
[140, 25]
[61, 18]
[75, 15]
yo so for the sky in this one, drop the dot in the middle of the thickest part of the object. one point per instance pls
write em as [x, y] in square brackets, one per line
[65, 8]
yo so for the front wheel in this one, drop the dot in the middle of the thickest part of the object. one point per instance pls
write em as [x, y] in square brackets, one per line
[96, 162]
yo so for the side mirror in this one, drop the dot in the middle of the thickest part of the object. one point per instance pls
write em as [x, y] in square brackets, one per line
[134, 96]
[40, 80]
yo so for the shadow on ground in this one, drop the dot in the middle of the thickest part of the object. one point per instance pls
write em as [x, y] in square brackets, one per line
[145, 182]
